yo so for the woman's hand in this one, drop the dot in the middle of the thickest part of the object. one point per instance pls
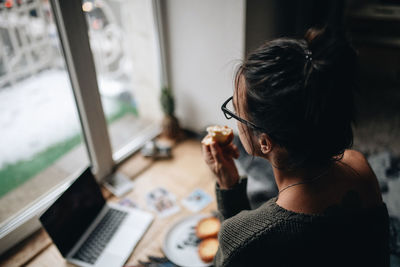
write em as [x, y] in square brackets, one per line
[220, 161]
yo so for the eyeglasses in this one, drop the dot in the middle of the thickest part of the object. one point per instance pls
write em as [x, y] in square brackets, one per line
[231, 114]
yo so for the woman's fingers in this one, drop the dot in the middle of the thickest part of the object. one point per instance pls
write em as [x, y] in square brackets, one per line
[219, 160]
[216, 152]
[213, 153]
[208, 157]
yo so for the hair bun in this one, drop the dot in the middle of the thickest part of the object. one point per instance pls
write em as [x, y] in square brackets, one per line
[331, 50]
[312, 33]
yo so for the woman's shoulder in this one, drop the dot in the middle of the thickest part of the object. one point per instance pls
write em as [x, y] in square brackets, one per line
[359, 163]
[257, 219]
[356, 160]
[364, 180]
[265, 221]
[250, 222]
[242, 230]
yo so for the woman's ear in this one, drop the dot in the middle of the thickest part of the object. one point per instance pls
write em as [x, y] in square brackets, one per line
[265, 143]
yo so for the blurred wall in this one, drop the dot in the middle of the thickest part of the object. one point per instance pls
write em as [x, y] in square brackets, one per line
[206, 40]
[204, 43]
[268, 19]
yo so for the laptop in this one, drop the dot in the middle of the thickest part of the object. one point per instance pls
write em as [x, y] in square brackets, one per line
[90, 232]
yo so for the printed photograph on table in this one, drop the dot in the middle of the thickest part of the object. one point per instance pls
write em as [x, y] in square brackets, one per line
[197, 200]
[162, 202]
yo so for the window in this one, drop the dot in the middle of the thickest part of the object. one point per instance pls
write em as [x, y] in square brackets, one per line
[124, 46]
[41, 137]
[60, 112]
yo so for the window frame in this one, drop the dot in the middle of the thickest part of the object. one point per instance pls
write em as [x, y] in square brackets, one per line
[74, 39]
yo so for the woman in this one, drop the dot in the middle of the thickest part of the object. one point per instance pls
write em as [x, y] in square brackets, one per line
[293, 103]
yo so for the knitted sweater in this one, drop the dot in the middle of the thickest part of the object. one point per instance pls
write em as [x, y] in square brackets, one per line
[344, 235]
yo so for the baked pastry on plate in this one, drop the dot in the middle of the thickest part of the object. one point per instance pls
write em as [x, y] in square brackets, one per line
[208, 248]
[208, 227]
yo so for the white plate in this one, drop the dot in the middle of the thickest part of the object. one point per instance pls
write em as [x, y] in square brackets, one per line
[181, 244]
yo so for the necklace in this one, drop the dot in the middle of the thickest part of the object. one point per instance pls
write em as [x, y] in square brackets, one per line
[305, 182]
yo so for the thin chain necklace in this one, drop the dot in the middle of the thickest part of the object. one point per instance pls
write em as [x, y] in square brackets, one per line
[305, 182]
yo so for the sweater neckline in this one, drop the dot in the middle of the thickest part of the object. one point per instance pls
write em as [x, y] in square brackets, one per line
[338, 210]
[290, 212]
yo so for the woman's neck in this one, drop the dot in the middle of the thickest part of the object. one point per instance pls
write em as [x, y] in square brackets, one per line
[285, 177]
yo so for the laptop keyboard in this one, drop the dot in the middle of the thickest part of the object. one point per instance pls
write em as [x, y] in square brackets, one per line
[91, 249]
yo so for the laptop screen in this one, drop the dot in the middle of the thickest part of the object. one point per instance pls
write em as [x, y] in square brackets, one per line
[70, 215]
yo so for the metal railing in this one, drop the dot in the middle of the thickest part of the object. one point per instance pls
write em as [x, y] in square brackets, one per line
[29, 41]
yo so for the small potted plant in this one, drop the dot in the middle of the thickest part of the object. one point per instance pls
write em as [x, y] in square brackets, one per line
[170, 124]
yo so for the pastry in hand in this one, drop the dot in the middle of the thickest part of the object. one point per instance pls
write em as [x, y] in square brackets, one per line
[223, 135]
[208, 248]
[208, 227]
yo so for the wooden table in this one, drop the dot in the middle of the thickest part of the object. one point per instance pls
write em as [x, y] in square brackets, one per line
[180, 175]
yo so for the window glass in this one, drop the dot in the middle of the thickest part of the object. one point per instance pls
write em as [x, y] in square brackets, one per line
[41, 137]
[123, 42]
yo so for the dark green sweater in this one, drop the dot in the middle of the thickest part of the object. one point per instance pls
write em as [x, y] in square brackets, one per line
[344, 235]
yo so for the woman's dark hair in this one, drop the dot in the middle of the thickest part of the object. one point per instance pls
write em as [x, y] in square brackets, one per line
[301, 92]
